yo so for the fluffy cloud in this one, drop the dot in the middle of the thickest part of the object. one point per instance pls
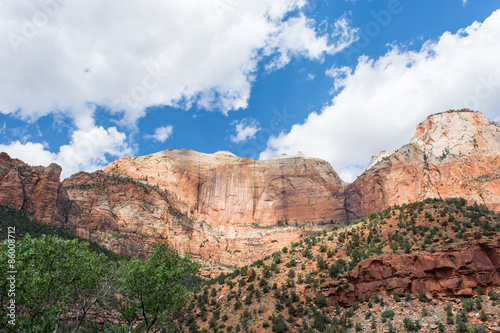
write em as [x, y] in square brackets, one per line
[382, 100]
[87, 150]
[245, 129]
[297, 37]
[161, 133]
[127, 55]
[73, 57]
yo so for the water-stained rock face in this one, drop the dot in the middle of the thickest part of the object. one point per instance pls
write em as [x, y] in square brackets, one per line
[452, 154]
[229, 190]
[130, 216]
[455, 271]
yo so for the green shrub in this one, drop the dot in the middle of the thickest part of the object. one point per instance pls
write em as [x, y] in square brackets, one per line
[388, 314]
[279, 325]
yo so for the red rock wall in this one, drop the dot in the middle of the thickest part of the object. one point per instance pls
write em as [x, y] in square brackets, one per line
[452, 154]
[229, 190]
[455, 271]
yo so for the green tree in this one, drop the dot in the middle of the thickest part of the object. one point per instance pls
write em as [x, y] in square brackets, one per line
[53, 276]
[279, 325]
[152, 292]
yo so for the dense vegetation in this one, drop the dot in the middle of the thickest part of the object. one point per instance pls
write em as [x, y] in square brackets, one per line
[24, 225]
[275, 294]
[69, 285]
[64, 284]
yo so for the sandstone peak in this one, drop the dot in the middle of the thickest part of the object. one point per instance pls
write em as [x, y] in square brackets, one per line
[226, 153]
[452, 154]
[375, 159]
[296, 156]
[457, 132]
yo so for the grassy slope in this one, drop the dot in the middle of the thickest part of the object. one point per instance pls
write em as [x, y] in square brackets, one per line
[269, 295]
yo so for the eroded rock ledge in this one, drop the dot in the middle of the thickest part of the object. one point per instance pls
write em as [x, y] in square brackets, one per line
[454, 271]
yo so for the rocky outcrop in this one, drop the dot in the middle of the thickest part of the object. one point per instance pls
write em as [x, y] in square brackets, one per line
[130, 216]
[452, 154]
[219, 207]
[36, 190]
[228, 190]
[375, 159]
[454, 271]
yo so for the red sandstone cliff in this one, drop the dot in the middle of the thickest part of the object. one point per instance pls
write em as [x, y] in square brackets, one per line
[224, 209]
[228, 190]
[36, 190]
[219, 207]
[130, 217]
[455, 271]
[452, 154]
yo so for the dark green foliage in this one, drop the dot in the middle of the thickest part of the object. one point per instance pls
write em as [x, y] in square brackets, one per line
[291, 263]
[321, 301]
[411, 326]
[468, 304]
[483, 316]
[152, 289]
[53, 275]
[388, 314]
[422, 296]
[321, 263]
[337, 268]
[493, 296]
[279, 325]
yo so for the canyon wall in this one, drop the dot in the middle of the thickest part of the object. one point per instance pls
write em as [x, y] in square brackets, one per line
[229, 190]
[230, 210]
[452, 154]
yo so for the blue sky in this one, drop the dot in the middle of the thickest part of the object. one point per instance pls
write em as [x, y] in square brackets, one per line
[83, 83]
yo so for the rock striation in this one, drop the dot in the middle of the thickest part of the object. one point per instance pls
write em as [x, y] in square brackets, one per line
[219, 207]
[454, 271]
[229, 190]
[130, 216]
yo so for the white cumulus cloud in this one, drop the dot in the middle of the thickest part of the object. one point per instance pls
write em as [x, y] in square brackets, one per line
[71, 58]
[86, 151]
[298, 37]
[382, 100]
[126, 55]
[161, 133]
[245, 130]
